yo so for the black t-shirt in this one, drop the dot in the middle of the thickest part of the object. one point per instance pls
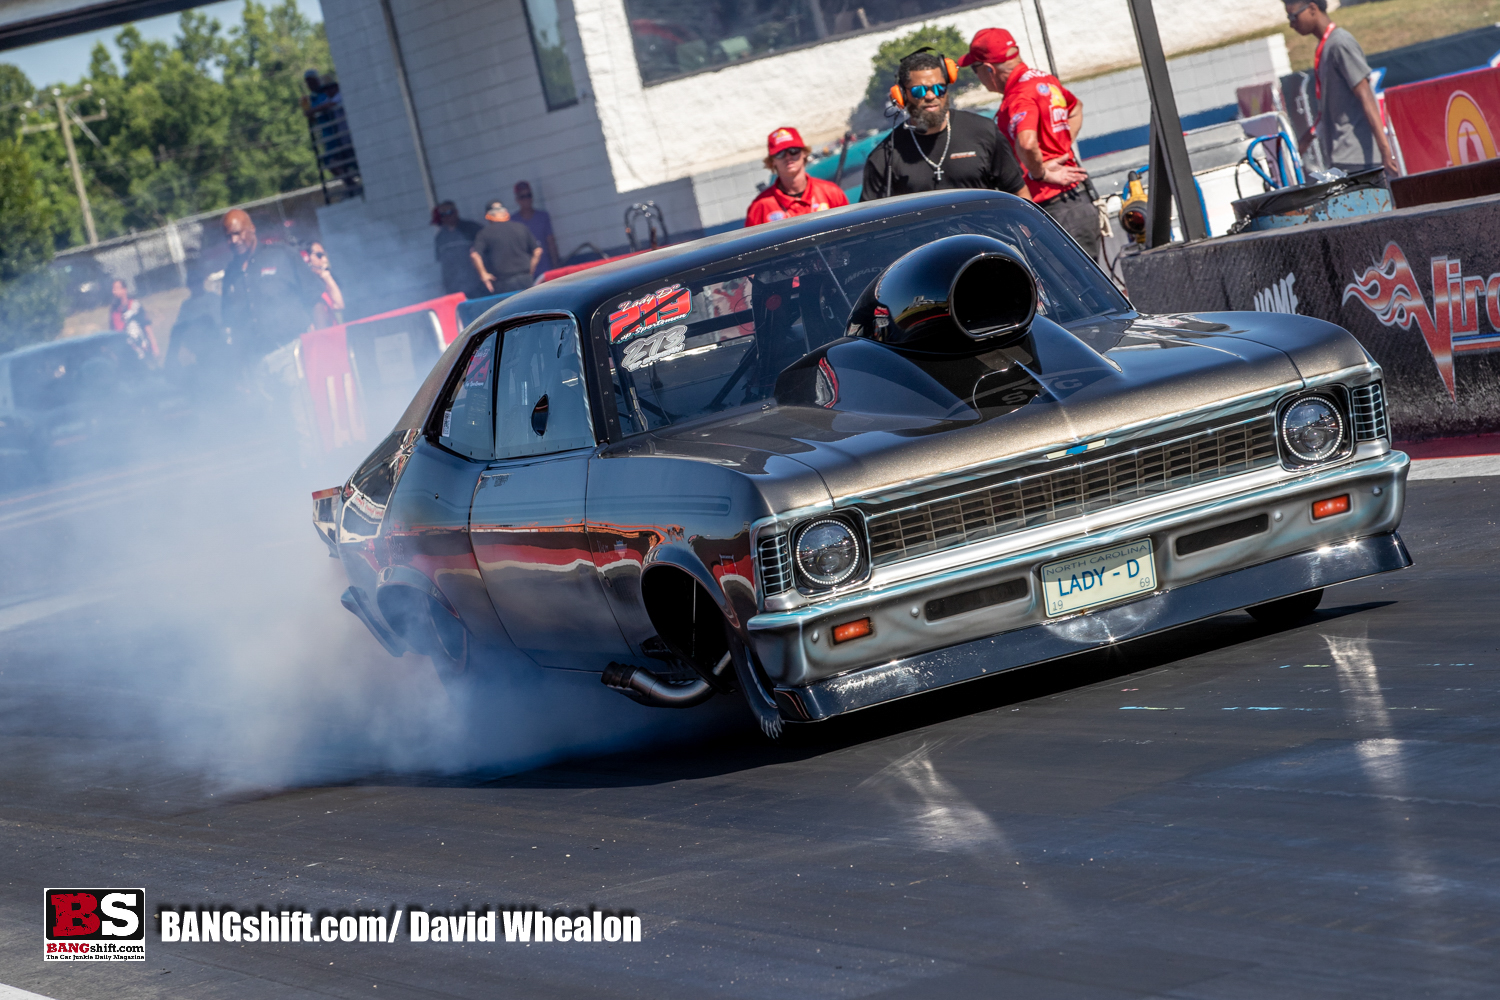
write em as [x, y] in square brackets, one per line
[978, 157]
[268, 297]
[451, 248]
[506, 248]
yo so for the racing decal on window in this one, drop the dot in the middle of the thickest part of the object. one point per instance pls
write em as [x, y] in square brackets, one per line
[663, 306]
[649, 350]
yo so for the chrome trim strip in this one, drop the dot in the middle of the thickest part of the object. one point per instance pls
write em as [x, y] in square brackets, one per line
[914, 577]
[1345, 375]
[1295, 574]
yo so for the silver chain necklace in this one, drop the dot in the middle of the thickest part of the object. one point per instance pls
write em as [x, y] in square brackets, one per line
[937, 168]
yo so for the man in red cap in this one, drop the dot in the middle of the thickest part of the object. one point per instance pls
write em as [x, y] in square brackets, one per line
[1041, 118]
[795, 192]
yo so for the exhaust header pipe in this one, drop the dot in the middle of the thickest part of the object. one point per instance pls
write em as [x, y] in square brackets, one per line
[645, 687]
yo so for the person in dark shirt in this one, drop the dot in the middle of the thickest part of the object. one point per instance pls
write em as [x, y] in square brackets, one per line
[269, 292]
[451, 246]
[540, 224]
[938, 149]
[505, 254]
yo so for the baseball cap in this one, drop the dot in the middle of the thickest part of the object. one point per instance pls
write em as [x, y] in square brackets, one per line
[784, 138]
[523, 189]
[991, 45]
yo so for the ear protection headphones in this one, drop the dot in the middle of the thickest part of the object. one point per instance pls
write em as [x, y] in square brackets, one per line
[950, 69]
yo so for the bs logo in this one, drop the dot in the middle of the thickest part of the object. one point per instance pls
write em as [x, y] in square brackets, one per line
[95, 914]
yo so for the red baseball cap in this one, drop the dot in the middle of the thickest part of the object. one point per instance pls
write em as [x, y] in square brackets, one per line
[991, 45]
[784, 138]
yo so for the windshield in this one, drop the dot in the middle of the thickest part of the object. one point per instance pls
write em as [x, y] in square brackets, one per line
[715, 338]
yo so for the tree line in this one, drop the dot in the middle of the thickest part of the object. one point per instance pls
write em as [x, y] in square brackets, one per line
[207, 120]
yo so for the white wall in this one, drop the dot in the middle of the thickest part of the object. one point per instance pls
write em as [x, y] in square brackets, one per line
[485, 124]
[1200, 81]
[711, 120]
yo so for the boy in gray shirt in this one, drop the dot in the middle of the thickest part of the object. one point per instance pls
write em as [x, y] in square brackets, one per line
[1348, 130]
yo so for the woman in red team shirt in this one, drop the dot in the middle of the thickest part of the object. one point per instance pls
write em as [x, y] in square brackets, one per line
[794, 193]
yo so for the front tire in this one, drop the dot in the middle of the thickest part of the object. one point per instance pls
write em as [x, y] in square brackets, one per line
[1288, 610]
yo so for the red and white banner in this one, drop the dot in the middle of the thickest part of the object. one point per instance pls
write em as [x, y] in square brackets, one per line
[1446, 122]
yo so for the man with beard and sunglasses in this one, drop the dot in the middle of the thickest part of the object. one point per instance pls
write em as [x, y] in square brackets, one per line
[938, 148]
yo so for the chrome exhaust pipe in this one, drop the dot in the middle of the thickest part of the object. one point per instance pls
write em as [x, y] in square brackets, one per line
[648, 689]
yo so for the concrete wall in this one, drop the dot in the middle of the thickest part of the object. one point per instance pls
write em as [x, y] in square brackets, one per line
[1201, 81]
[485, 124]
[716, 119]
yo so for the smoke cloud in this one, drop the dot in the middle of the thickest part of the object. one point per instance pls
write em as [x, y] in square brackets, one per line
[169, 618]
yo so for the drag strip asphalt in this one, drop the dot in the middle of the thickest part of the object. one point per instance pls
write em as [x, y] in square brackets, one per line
[1224, 811]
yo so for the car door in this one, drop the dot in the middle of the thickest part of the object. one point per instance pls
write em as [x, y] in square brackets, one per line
[527, 519]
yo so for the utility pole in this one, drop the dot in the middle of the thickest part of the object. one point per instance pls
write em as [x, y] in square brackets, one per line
[1041, 20]
[67, 134]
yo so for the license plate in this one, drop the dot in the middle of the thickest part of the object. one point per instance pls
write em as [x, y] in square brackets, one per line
[1098, 577]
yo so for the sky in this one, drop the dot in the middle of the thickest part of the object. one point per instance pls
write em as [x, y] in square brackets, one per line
[67, 59]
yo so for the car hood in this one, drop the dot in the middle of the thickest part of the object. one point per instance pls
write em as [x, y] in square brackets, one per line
[1067, 388]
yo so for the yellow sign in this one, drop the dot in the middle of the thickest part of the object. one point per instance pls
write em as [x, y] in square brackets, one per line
[1469, 136]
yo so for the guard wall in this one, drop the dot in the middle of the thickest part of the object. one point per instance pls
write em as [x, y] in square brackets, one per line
[1419, 288]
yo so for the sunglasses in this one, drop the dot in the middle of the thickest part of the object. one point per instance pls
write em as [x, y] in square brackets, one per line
[315, 253]
[789, 154]
[921, 91]
[1292, 15]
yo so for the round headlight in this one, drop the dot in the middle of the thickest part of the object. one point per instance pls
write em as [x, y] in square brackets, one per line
[827, 552]
[1312, 428]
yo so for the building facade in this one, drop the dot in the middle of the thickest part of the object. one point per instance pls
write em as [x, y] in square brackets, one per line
[601, 104]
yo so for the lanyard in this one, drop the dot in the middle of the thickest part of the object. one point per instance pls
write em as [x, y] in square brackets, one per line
[1318, 62]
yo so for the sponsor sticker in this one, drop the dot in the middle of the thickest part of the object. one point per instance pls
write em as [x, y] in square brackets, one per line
[661, 307]
[657, 347]
[94, 925]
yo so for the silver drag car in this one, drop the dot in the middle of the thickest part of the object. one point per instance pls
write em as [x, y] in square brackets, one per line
[858, 455]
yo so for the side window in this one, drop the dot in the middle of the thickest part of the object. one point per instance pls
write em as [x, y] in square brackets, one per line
[467, 415]
[541, 400]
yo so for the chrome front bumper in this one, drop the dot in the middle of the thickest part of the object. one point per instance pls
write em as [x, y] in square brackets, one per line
[1230, 592]
[796, 650]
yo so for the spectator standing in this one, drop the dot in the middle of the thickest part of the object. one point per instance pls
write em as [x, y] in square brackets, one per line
[795, 191]
[128, 316]
[1041, 118]
[938, 149]
[540, 224]
[451, 250]
[1349, 130]
[505, 254]
[329, 309]
[268, 293]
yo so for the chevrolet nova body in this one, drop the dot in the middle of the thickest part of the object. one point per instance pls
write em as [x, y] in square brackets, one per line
[857, 455]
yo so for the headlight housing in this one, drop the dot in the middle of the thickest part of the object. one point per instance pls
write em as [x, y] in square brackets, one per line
[827, 552]
[1313, 429]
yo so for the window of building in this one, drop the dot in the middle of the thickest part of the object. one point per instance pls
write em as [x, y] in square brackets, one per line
[551, 60]
[677, 37]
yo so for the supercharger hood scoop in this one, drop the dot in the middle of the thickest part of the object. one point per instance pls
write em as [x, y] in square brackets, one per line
[959, 295]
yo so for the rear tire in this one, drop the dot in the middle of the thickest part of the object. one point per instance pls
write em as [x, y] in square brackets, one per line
[1288, 610]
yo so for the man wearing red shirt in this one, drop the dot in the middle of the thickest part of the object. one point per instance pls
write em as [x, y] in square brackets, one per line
[795, 192]
[1041, 118]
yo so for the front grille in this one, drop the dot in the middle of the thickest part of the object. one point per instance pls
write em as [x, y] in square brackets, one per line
[1044, 495]
[775, 564]
[1369, 413]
